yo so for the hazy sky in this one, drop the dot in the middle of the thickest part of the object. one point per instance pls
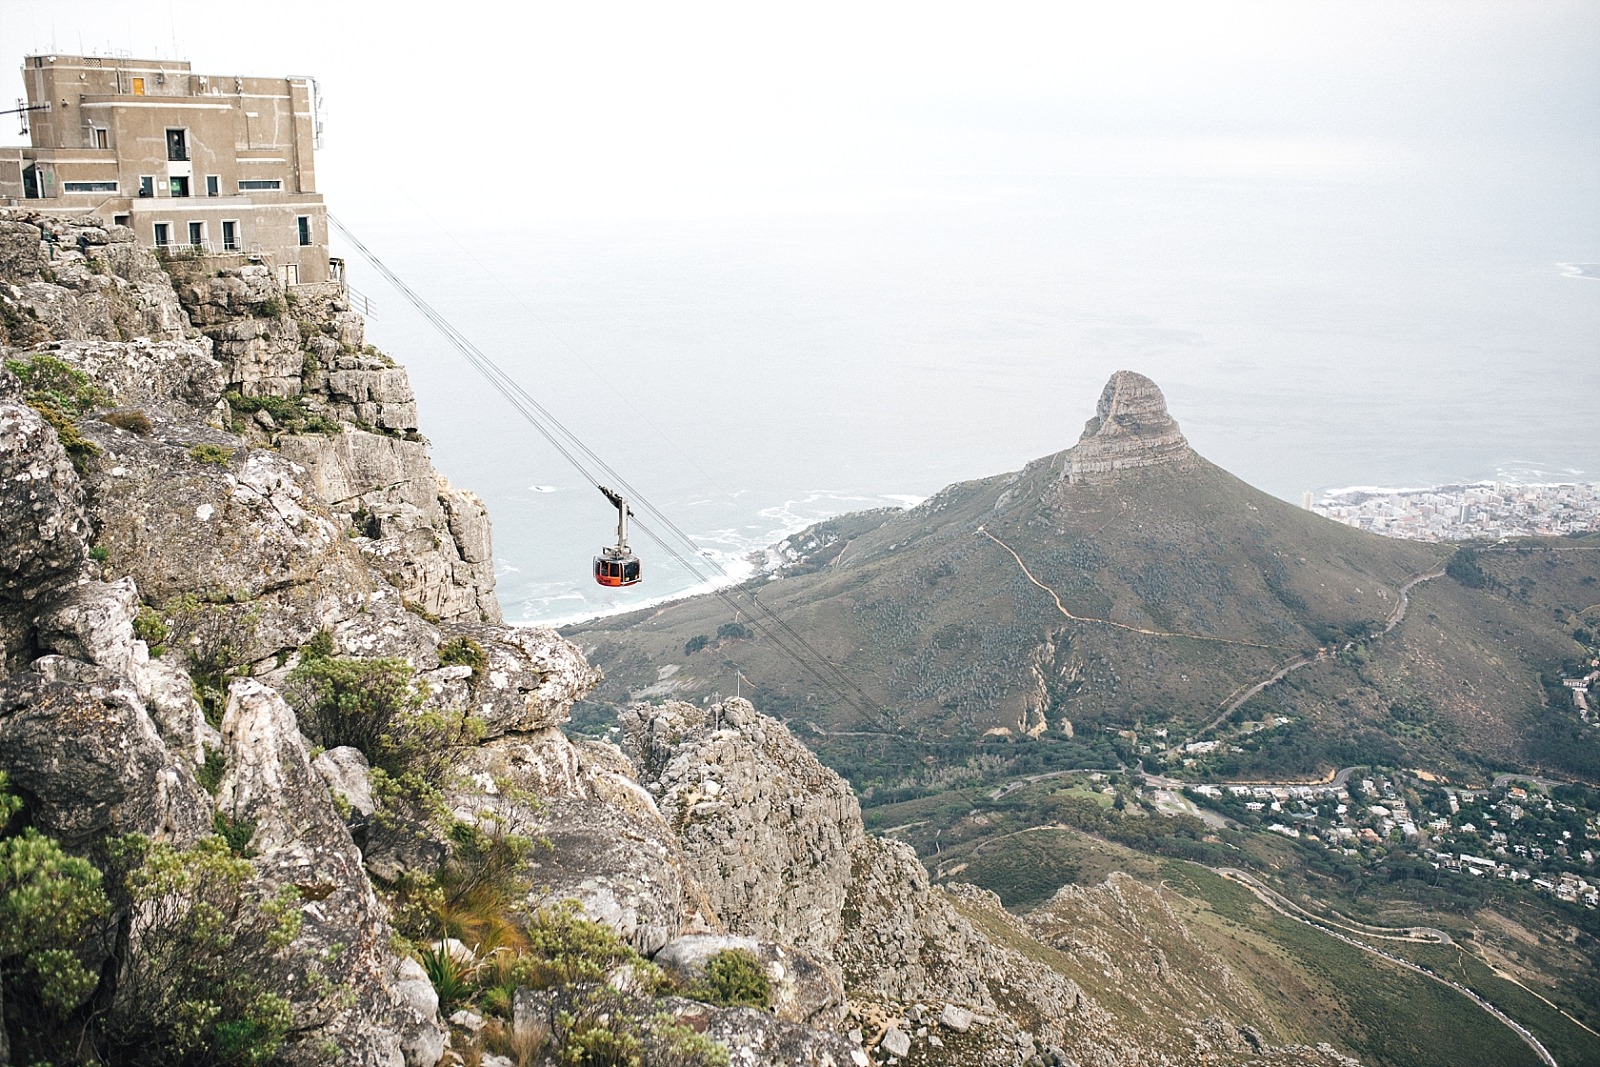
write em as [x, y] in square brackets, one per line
[800, 259]
[648, 109]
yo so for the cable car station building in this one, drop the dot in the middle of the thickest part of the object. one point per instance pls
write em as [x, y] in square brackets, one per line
[216, 165]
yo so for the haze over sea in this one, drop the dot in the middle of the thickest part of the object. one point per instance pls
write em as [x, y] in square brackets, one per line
[774, 262]
[751, 375]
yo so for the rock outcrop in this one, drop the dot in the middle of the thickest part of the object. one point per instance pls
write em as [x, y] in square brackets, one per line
[777, 841]
[236, 491]
[1130, 428]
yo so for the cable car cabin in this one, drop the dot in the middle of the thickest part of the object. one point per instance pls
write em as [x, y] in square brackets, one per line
[616, 565]
[617, 571]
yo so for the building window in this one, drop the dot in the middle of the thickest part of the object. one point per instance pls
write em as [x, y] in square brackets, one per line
[163, 234]
[303, 224]
[250, 184]
[197, 234]
[178, 186]
[230, 235]
[120, 220]
[147, 185]
[213, 186]
[99, 137]
[89, 187]
[177, 145]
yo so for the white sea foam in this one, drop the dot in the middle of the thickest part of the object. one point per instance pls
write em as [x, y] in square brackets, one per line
[541, 488]
[1580, 270]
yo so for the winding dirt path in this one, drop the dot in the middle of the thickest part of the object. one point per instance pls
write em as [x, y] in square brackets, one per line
[1118, 625]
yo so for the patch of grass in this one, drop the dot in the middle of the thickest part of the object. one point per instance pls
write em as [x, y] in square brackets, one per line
[221, 455]
[135, 422]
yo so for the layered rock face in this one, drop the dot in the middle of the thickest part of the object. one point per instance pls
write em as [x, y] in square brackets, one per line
[776, 839]
[1131, 428]
[245, 476]
[218, 544]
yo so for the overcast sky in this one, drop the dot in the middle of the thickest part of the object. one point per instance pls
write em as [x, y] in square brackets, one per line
[625, 110]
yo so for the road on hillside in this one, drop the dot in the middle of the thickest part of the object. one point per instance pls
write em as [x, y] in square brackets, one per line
[1289, 910]
[1396, 616]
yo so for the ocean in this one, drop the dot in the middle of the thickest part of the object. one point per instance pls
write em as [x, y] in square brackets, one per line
[751, 373]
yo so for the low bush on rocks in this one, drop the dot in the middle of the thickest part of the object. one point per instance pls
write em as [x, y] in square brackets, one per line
[735, 979]
[288, 413]
[60, 393]
[464, 652]
[201, 958]
[135, 422]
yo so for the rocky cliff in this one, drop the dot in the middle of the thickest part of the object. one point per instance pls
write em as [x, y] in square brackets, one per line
[216, 499]
[256, 686]
[1130, 428]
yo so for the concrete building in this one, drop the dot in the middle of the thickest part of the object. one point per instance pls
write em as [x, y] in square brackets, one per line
[195, 164]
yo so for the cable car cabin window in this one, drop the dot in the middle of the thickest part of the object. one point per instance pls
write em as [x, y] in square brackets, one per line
[616, 572]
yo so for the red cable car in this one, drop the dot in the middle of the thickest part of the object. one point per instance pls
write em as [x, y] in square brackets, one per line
[616, 565]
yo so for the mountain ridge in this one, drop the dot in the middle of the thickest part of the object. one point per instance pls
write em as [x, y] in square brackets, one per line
[1120, 583]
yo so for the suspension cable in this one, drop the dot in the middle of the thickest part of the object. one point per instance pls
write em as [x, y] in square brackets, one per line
[585, 460]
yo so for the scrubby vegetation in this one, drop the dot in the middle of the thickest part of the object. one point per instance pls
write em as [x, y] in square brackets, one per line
[464, 652]
[133, 421]
[208, 453]
[201, 961]
[60, 393]
[290, 414]
[735, 979]
[593, 996]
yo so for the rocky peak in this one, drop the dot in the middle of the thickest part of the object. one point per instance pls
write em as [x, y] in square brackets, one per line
[1130, 428]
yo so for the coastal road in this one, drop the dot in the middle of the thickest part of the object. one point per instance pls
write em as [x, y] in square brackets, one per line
[1399, 612]
[1272, 899]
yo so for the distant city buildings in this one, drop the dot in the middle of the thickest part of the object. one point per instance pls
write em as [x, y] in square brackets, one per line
[194, 164]
[1517, 833]
[1484, 510]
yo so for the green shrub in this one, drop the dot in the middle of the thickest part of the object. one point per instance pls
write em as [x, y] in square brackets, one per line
[235, 833]
[56, 383]
[209, 773]
[319, 647]
[464, 652]
[204, 985]
[735, 979]
[270, 308]
[49, 905]
[150, 627]
[218, 454]
[733, 631]
[565, 948]
[695, 644]
[99, 553]
[289, 413]
[370, 704]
